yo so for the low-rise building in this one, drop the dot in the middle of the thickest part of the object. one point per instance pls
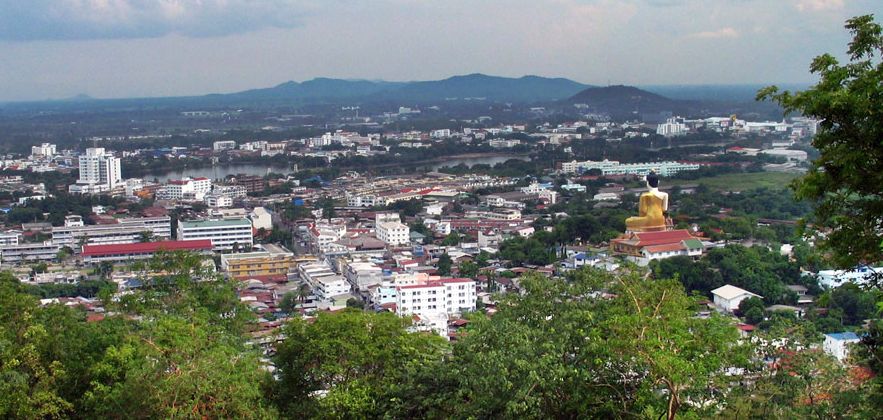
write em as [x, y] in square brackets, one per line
[224, 234]
[728, 297]
[43, 251]
[838, 344]
[93, 254]
[272, 260]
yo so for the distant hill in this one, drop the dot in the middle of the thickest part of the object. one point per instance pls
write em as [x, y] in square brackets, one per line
[318, 89]
[621, 100]
[491, 88]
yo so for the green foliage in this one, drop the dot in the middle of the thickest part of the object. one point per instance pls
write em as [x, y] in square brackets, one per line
[355, 358]
[560, 350]
[845, 181]
[444, 265]
[756, 269]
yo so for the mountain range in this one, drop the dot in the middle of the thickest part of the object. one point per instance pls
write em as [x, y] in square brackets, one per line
[473, 88]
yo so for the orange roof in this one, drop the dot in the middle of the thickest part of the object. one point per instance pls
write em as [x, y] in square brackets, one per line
[664, 248]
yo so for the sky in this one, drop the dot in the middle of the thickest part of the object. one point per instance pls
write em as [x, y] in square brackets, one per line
[54, 49]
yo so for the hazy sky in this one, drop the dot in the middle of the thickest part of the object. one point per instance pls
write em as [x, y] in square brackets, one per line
[126, 48]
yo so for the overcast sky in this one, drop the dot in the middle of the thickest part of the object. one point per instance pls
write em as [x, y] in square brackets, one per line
[134, 48]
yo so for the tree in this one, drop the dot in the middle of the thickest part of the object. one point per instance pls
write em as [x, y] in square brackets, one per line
[468, 269]
[354, 358]
[444, 265]
[560, 350]
[844, 183]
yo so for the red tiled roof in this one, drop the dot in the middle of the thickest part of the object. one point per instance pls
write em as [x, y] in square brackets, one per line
[662, 237]
[147, 247]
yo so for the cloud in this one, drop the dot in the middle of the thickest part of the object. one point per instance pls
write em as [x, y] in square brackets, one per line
[110, 19]
[727, 32]
[818, 5]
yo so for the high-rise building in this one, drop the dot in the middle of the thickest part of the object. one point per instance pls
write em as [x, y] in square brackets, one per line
[43, 150]
[99, 172]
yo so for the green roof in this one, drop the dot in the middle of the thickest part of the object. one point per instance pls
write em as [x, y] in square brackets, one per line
[215, 223]
[693, 244]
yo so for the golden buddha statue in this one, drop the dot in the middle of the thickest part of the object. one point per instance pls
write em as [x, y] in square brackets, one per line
[651, 208]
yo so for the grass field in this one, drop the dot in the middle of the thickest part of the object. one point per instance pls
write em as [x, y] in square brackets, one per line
[742, 182]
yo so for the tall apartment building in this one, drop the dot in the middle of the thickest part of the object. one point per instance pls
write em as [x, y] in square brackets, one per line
[223, 233]
[99, 172]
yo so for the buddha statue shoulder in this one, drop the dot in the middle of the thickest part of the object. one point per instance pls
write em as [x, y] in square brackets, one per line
[651, 208]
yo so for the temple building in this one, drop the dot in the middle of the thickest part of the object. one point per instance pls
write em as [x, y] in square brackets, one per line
[649, 236]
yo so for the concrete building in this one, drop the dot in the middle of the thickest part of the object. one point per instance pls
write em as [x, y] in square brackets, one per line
[272, 260]
[261, 219]
[672, 127]
[224, 234]
[99, 172]
[223, 145]
[44, 251]
[362, 274]
[76, 236]
[728, 297]
[185, 189]
[43, 150]
[436, 299]
[838, 344]
[218, 200]
[93, 254]
[612, 167]
[391, 230]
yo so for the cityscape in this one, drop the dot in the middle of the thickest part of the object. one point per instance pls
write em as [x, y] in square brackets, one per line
[463, 246]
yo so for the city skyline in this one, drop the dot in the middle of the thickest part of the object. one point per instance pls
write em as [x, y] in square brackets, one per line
[130, 48]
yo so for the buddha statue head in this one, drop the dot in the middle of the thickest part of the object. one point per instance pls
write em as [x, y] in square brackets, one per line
[652, 180]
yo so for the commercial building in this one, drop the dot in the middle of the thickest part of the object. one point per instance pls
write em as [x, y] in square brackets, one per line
[272, 260]
[224, 234]
[93, 254]
[99, 172]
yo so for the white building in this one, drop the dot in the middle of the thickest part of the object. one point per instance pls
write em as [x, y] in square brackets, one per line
[612, 167]
[728, 297]
[389, 229]
[224, 145]
[218, 200]
[43, 150]
[837, 344]
[223, 233]
[323, 280]
[436, 298]
[185, 189]
[672, 127]
[362, 274]
[99, 172]
[261, 219]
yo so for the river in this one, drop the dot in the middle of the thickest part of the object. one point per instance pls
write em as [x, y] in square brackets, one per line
[222, 171]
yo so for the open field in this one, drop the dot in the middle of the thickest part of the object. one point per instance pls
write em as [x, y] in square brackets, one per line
[742, 182]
